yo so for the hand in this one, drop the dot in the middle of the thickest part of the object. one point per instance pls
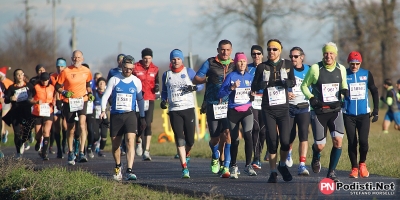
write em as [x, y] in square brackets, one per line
[345, 92]
[203, 108]
[374, 116]
[236, 84]
[13, 98]
[103, 115]
[39, 102]
[163, 104]
[143, 124]
[271, 83]
[106, 123]
[315, 103]
[288, 83]
[262, 85]
[191, 88]
[156, 88]
[67, 93]
[291, 95]
[91, 97]
[58, 104]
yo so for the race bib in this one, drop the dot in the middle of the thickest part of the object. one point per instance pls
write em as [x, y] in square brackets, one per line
[277, 95]
[357, 91]
[178, 95]
[242, 95]
[89, 108]
[296, 89]
[146, 106]
[44, 110]
[75, 104]
[266, 75]
[256, 104]
[124, 102]
[97, 111]
[21, 94]
[220, 111]
[330, 92]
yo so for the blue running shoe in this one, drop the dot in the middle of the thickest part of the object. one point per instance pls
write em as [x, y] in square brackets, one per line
[4, 137]
[82, 157]
[289, 160]
[256, 164]
[1, 154]
[185, 173]
[71, 158]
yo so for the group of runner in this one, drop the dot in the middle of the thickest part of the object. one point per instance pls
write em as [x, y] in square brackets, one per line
[263, 97]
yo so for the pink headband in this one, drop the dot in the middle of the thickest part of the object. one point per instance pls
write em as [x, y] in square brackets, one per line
[239, 56]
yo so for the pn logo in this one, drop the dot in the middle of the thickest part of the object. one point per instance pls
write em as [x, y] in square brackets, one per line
[327, 186]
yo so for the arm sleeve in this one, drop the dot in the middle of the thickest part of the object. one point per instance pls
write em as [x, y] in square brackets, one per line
[110, 86]
[164, 91]
[225, 87]
[311, 77]
[291, 75]
[374, 91]
[202, 72]
[157, 81]
[32, 90]
[9, 92]
[257, 78]
[139, 96]
[192, 73]
[344, 75]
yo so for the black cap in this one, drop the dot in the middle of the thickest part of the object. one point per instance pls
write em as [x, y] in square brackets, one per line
[147, 52]
[128, 59]
[38, 67]
[398, 81]
[257, 47]
[45, 76]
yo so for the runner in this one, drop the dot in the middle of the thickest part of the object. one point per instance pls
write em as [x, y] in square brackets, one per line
[19, 95]
[38, 69]
[357, 112]
[213, 73]
[177, 91]
[92, 132]
[259, 129]
[392, 101]
[237, 85]
[328, 81]
[104, 124]
[147, 72]
[43, 102]
[74, 84]
[124, 90]
[299, 111]
[275, 76]
[4, 136]
[6, 106]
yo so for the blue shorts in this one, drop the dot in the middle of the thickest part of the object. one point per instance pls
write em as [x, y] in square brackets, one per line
[390, 116]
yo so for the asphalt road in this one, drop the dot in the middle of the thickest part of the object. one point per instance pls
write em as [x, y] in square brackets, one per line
[163, 173]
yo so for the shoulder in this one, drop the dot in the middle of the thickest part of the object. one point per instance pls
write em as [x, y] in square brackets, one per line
[314, 67]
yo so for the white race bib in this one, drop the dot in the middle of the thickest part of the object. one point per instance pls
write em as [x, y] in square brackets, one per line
[266, 75]
[220, 111]
[242, 95]
[257, 102]
[357, 91]
[277, 95]
[97, 111]
[124, 102]
[75, 104]
[146, 105]
[330, 92]
[177, 95]
[44, 110]
[296, 89]
[89, 108]
[21, 94]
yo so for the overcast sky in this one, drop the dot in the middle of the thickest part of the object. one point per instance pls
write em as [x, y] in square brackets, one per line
[161, 25]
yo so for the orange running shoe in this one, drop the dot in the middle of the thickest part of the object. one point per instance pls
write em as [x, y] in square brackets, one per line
[363, 170]
[354, 173]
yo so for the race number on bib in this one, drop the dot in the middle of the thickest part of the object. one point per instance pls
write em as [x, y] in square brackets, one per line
[242, 95]
[330, 92]
[357, 91]
[21, 94]
[44, 110]
[75, 104]
[277, 95]
[220, 111]
[296, 89]
[97, 111]
[89, 108]
[256, 104]
[124, 102]
[178, 95]
[146, 105]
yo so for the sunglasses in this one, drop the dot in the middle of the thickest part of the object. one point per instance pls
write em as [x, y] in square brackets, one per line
[273, 49]
[253, 54]
[355, 63]
[294, 56]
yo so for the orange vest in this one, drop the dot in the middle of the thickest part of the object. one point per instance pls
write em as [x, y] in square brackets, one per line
[44, 94]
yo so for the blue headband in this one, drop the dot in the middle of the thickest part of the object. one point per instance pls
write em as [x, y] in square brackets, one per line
[61, 63]
[176, 53]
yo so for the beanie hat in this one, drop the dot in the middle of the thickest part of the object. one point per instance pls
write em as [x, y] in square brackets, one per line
[45, 76]
[120, 57]
[176, 53]
[240, 56]
[61, 63]
[354, 57]
[257, 47]
[147, 52]
[3, 71]
[38, 67]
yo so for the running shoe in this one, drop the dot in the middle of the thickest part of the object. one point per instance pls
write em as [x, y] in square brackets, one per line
[139, 148]
[90, 153]
[51, 150]
[37, 146]
[232, 171]
[225, 172]
[130, 176]
[285, 173]
[4, 137]
[187, 161]
[302, 171]
[215, 166]
[118, 174]
[26, 146]
[185, 173]
[1, 154]
[101, 154]
[256, 164]
[363, 170]
[316, 165]
[176, 156]
[71, 158]
[354, 173]
[237, 171]
[18, 156]
[266, 157]
[250, 171]
[289, 160]
[273, 177]
[60, 155]
[44, 156]
[82, 157]
[22, 149]
[146, 156]
[332, 175]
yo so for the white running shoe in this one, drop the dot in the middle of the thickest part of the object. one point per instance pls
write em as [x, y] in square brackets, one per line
[139, 148]
[289, 160]
[146, 156]
[118, 174]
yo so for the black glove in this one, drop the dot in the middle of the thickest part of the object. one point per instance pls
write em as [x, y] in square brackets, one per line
[59, 104]
[191, 88]
[383, 99]
[203, 108]
[163, 104]
[271, 83]
[251, 98]
[156, 88]
[345, 92]
[288, 83]
[262, 85]
[315, 103]
[374, 116]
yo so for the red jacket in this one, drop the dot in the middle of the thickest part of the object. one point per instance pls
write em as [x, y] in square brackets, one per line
[149, 78]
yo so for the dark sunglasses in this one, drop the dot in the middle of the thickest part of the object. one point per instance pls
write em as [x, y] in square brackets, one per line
[253, 54]
[355, 63]
[294, 56]
[273, 49]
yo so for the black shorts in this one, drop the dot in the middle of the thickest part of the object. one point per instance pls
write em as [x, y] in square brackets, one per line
[39, 120]
[70, 116]
[123, 123]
